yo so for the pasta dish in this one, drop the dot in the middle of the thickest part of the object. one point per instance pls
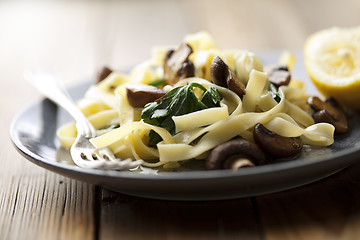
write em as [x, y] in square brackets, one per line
[200, 103]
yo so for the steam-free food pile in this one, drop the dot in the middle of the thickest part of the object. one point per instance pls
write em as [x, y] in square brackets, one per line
[196, 102]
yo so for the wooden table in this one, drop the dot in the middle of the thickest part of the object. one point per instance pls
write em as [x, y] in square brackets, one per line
[75, 39]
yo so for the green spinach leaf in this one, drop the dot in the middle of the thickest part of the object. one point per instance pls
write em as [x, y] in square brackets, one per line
[158, 83]
[211, 97]
[274, 91]
[179, 101]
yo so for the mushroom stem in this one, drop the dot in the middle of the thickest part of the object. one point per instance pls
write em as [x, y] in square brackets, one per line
[241, 163]
[235, 153]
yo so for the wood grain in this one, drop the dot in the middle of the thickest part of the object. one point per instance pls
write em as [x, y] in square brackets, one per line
[46, 206]
[328, 209]
[75, 38]
[35, 203]
[123, 216]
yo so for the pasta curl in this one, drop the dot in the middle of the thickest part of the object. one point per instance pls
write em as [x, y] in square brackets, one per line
[120, 126]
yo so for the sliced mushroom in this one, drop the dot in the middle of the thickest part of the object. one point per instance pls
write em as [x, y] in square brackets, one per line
[140, 94]
[177, 64]
[187, 70]
[279, 75]
[275, 145]
[219, 72]
[329, 111]
[223, 76]
[276, 67]
[235, 154]
[238, 162]
[103, 73]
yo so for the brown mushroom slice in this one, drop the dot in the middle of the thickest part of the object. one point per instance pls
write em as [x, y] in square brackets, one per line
[235, 84]
[317, 104]
[234, 154]
[103, 73]
[329, 111]
[278, 74]
[177, 66]
[187, 70]
[223, 76]
[139, 95]
[276, 67]
[279, 77]
[219, 72]
[276, 145]
[325, 116]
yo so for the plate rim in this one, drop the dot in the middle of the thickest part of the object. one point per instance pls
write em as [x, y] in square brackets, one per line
[196, 174]
[287, 174]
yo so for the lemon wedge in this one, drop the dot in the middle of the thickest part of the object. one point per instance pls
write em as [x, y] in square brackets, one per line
[332, 60]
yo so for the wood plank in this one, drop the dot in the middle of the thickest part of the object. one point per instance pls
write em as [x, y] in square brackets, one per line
[129, 217]
[36, 203]
[328, 209]
[46, 206]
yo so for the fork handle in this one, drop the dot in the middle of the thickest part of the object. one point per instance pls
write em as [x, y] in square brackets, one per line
[52, 87]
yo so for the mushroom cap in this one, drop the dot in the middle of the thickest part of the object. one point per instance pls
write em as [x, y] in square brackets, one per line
[279, 77]
[103, 73]
[341, 126]
[177, 64]
[219, 71]
[187, 70]
[139, 95]
[278, 74]
[234, 149]
[329, 111]
[276, 145]
[223, 76]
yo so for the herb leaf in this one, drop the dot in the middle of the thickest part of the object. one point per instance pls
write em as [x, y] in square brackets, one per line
[179, 101]
[158, 83]
[211, 97]
[274, 91]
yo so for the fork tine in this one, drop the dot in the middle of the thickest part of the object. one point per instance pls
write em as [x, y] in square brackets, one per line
[122, 164]
[89, 163]
[96, 159]
[108, 153]
[90, 156]
[84, 154]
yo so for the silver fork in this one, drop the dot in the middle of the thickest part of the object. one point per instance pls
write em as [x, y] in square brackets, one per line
[83, 152]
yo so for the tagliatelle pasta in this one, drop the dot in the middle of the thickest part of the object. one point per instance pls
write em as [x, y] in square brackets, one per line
[120, 126]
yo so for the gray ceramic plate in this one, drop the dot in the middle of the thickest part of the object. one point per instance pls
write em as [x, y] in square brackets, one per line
[33, 134]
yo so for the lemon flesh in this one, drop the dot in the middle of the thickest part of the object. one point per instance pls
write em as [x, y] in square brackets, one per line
[332, 60]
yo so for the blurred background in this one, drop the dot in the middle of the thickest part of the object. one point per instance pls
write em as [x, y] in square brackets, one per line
[75, 38]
